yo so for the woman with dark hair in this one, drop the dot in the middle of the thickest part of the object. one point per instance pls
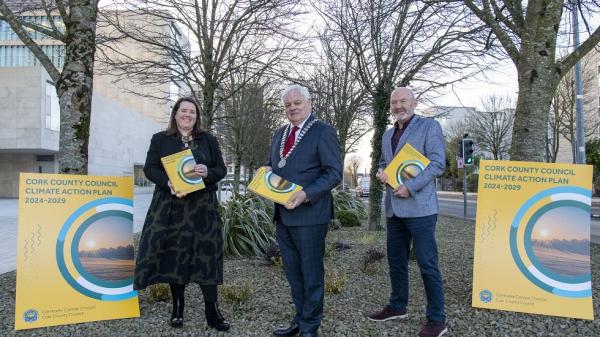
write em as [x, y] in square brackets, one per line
[182, 240]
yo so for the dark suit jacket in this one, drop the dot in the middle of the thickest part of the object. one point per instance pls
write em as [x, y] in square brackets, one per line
[316, 165]
[207, 152]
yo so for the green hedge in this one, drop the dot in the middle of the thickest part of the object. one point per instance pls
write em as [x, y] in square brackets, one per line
[348, 218]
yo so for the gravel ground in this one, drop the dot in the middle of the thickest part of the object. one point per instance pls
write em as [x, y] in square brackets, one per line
[345, 313]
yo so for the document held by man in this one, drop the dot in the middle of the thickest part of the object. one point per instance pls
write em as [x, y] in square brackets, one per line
[407, 164]
[271, 186]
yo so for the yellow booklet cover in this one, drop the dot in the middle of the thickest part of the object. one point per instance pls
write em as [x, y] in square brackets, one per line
[180, 169]
[271, 186]
[407, 164]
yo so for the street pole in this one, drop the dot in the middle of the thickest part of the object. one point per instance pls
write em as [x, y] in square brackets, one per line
[465, 191]
[580, 151]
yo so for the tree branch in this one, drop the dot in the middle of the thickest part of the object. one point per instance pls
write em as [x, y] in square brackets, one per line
[576, 55]
[486, 16]
[16, 26]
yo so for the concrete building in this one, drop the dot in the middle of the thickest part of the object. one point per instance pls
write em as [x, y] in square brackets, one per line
[590, 65]
[447, 116]
[121, 123]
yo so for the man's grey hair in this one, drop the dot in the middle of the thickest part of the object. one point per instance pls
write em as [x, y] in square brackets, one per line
[409, 89]
[296, 87]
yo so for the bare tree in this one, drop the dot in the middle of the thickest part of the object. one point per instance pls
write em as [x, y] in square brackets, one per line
[453, 136]
[247, 121]
[492, 127]
[401, 43]
[554, 125]
[338, 96]
[74, 81]
[225, 36]
[263, 123]
[351, 171]
[528, 31]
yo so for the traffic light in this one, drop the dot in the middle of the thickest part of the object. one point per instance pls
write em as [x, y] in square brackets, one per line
[460, 149]
[467, 151]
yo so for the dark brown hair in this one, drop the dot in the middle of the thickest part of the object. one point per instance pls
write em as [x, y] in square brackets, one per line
[172, 127]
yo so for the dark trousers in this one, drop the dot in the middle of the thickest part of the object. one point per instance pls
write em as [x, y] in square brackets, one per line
[421, 230]
[302, 249]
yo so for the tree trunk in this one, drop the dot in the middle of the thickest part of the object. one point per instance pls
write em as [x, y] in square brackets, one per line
[74, 87]
[539, 76]
[537, 83]
[236, 174]
[250, 175]
[381, 107]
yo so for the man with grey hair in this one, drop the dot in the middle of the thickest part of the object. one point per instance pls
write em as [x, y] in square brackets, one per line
[306, 152]
[411, 213]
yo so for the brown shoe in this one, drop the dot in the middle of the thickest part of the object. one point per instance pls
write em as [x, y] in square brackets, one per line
[433, 329]
[386, 314]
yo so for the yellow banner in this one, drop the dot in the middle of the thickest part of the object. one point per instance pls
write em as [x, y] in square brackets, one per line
[532, 238]
[271, 186]
[407, 164]
[75, 250]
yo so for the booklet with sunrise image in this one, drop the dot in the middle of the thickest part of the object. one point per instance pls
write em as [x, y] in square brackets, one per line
[271, 186]
[407, 164]
[180, 169]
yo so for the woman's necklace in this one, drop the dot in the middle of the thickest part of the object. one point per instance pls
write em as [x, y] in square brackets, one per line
[186, 140]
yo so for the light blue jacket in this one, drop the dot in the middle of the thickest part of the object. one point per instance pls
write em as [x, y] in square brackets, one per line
[425, 135]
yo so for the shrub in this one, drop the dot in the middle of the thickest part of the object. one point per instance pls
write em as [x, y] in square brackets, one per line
[369, 261]
[334, 281]
[348, 218]
[335, 224]
[159, 292]
[346, 201]
[272, 255]
[247, 225]
[368, 239]
[237, 295]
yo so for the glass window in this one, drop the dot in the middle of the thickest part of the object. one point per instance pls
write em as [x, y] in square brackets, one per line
[2, 30]
[52, 108]
[21, 56]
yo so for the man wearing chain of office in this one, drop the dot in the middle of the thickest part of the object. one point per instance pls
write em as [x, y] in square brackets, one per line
[306, 152]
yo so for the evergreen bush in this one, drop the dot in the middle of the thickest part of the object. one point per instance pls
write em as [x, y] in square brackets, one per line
[247, 225]
[348, 218]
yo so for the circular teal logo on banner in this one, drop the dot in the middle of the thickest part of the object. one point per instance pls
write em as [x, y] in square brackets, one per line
[100, 249]
[30, 315]
[485, 296]
[553, 229]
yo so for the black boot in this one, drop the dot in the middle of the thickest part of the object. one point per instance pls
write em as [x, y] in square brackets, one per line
[177, 314]
[214, 318]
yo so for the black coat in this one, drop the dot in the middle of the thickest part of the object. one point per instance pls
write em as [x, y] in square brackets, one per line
[182, 239]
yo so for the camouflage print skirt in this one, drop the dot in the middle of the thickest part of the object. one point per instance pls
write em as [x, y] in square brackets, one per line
[181, 242]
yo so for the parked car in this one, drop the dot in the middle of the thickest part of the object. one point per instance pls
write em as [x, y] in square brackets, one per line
[364, 184]
[227, 186]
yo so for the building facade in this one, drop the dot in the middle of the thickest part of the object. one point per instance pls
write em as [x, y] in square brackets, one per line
[590, 66]
[121, 122]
